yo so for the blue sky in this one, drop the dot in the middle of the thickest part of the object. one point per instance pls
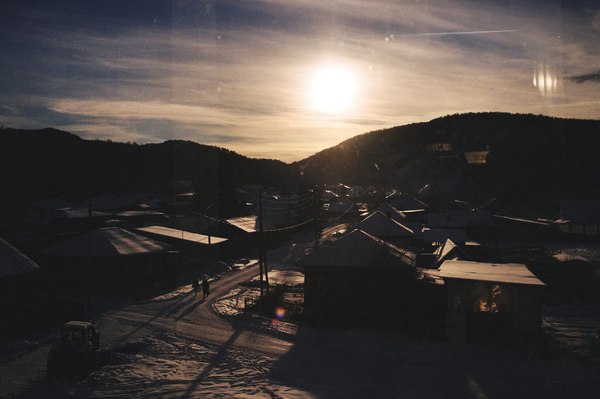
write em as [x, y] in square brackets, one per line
[241, 74]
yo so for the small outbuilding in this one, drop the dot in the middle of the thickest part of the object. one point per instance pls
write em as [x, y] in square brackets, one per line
[491, 301]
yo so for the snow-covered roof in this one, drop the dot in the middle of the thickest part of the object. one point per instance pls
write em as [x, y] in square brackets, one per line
[390, 212]
[181, 235]
[74, 213]
[13, 262]
[106, 242]
[512, 273]
[380, 225]
[404, 201]
[450, 251]
[441, 235]
[246, 223]
[357, 249]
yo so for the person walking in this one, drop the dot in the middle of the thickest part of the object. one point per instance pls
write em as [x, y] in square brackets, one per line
[195, 286]
[205, 287]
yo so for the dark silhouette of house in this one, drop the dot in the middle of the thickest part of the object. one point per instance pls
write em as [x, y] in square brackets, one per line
[491, 301]
[108, 259]
[358, 279]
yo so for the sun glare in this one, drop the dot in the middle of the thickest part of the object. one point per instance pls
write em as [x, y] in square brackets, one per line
[332, 90]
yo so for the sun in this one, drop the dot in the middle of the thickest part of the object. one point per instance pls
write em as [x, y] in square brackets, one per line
[332, 90]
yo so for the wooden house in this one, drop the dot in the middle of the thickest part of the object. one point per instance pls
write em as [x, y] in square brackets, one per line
[490, 301]
[108, 259]
[358, 279]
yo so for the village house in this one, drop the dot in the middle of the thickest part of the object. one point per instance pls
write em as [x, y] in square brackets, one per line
[491, 301]
[358, 279]
[108, 259]
[379, 225]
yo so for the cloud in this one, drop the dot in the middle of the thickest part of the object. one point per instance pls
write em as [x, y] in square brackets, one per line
[593, 77]
[236, 74]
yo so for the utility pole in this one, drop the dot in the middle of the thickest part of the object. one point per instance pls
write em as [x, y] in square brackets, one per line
[262, 258]
[88, 304]
[260, 241]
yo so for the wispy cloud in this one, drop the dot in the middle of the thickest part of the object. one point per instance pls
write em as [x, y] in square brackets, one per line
[237, 74]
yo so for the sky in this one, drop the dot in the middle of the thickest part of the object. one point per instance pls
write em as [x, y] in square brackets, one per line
[285, 79]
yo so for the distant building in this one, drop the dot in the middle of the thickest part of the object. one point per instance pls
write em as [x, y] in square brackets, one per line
[580, 216]
[381, 226]
[491, 301]
[453, 218]
[439, 236]
[403, 201]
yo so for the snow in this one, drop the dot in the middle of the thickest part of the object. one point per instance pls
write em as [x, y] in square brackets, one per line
[172, 366]
[288, 276]
[179, 346]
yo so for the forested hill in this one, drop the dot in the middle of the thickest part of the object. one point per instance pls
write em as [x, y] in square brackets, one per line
[55, 164]
[533, 161]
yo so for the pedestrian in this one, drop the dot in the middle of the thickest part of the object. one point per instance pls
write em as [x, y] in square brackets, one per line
[195, 286]
[205, 287]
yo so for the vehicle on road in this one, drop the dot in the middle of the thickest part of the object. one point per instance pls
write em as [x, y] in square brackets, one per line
[77, 350]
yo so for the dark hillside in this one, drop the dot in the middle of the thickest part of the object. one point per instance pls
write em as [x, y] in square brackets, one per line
[533, 161]
[53, 164]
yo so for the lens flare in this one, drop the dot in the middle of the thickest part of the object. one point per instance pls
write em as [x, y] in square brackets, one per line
[279, 313]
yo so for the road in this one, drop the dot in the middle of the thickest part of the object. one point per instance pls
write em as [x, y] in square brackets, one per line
[24, 373]
[193, 317]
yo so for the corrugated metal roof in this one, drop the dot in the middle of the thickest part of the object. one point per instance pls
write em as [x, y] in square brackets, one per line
[512, 273]
[357, 249]
[380, 225]
[108, 241]
[181, 235]
[13, 262]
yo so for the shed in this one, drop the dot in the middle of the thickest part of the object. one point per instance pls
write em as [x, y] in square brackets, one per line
[491, 301]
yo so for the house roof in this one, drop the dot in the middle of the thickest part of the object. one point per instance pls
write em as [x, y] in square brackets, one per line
[107, 242]
[181, 235]
[380, 225]
[511, 273]
[441, 235]
[451, 251]
[74, 213]
[13, 262]
[357, 249]
[390, 212]
[404, 201]
[246, 223]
